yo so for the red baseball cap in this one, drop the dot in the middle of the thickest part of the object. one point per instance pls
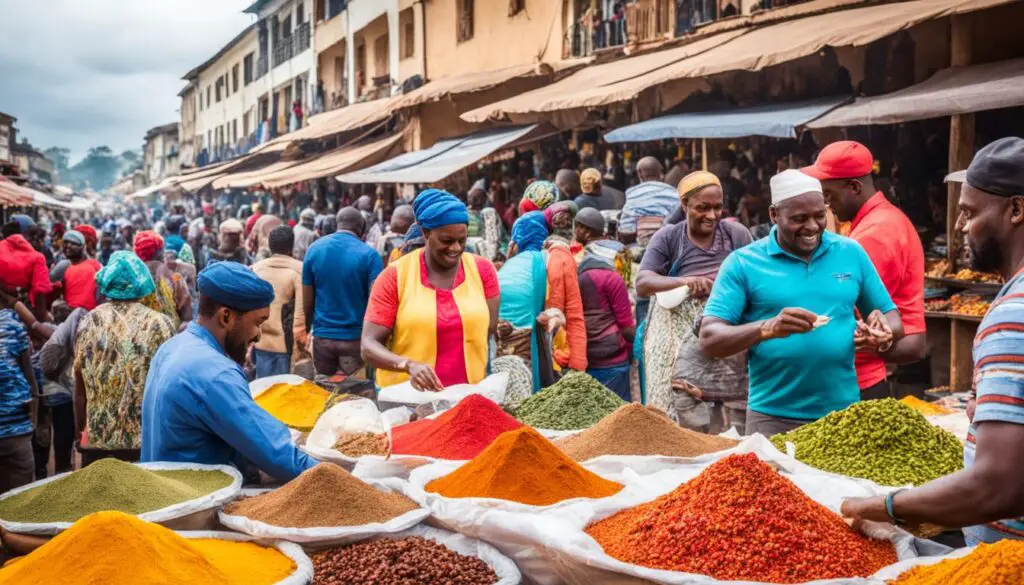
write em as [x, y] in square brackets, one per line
[841, 160]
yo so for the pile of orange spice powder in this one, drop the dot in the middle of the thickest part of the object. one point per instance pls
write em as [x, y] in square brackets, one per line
[739, 519]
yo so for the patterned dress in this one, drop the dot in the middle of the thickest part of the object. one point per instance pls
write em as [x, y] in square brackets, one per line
[115, 344]
[15, 392]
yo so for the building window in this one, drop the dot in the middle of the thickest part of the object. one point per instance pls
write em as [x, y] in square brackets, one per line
[208, 95]
[516, 6]
[247, 63]
[200, 101]
[464, 27]
[234, 130]
[300, 13]
[218, 89]
[407, 25]
[234, 78]
[335, 7]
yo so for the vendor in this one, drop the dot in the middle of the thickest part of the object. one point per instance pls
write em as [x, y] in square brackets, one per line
[987, 496]
[197, 406]
[789, 299]
[432, 312]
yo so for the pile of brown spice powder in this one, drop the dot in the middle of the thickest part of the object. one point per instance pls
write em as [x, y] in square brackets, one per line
[325, 495]
[359, 444]
[634, 429]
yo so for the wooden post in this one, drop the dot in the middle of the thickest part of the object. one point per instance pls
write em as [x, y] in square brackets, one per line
[961, 136]
[704, 153]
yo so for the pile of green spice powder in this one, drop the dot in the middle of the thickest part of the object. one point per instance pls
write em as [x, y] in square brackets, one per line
[882, 440]
[577, 401]
[109, 484]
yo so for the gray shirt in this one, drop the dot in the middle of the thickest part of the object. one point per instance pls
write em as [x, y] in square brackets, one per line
[672, 243]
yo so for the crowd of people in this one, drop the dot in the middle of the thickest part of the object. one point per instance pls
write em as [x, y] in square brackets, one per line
[137, 337]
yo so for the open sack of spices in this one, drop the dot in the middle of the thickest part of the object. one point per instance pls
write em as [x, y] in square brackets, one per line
[293, 400]
[424, 555]
[350, 429]
[325, 505]
[985, 564]
[165, 493]
[118, 549]
[575, 402]
[458, 434]
[736, 519]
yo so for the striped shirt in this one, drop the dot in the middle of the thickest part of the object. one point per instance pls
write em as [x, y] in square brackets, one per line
[999, 382]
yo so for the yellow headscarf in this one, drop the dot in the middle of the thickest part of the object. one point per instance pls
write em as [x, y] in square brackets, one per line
[696, 181]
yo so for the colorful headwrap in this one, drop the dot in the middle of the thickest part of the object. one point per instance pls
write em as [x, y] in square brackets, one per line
[696, 181]
[91, 238]
[236, 286]
[186, 255]
[413, 239]
[174, 244]
[559, 217]
[147, 244]
[435, 208]
[57, 231]
[530, 231]
[541, 194]
[125, 278]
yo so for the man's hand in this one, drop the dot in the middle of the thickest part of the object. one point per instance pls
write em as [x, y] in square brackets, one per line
[873, 334]
[788, 322]
[423, 377]
[700, 286]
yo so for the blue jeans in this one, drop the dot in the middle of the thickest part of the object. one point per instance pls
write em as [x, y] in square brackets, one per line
[270, 363]
[615, 378]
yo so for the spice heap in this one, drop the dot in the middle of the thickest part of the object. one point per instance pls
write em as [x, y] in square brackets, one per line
[408, 561]
[924, 407]
[117, 549]
[577, 401]
[881, 440]
[296, 405]
[522, 466]
[325, 495]
[359, 444]
[634, 429]
[460, 433]
[988, 564]
[109, 484]
[740, 520]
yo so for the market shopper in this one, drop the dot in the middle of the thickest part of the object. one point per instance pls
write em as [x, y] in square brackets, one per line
[486, 233]
[594, 194]
[23, 269]
[704, 394]
[77, 274]
[259, 238]
[305, 235]
[589, 227]
[892, 243]
[390, 244]
[337, 275]
[171, 296]
[285, 330]
[56, 362]
[987, 498]
[648, 204]
[197, 405]
[19, 400]
[789, 299]
[437, 305]
[114, 346]
[230, 248]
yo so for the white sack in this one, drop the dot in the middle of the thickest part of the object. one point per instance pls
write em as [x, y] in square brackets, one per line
[492, 387]
[357, 415]
[210, 501]
[303, 565]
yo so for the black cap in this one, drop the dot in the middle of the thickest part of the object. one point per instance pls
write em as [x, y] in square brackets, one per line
[998, 168]
[591, 218]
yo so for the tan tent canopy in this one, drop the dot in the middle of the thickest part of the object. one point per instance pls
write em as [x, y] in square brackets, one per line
[340, 160]
[335, 121]
[957, 90]
[750, 50]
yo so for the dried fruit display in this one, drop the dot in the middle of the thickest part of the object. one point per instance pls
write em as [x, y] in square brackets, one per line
[968, 305]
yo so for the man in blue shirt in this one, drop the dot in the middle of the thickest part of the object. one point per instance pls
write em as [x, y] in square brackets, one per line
[337, 275]
[197, 406]
[789, 299]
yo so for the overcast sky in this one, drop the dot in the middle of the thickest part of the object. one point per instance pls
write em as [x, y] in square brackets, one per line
[81, 73]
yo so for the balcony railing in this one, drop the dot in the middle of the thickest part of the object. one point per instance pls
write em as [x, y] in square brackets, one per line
[302, 36]
[587, 38]
[283, 50]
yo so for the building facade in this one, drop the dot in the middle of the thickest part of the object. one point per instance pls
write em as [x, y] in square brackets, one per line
[8, 136]
[160, 153]
[33, 163]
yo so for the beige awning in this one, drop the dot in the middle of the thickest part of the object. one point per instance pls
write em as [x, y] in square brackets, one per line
[337, 161]
[335, 121]
[957, 90]
[749, 49]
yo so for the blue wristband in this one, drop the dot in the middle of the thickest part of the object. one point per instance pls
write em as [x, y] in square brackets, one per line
[889, 508]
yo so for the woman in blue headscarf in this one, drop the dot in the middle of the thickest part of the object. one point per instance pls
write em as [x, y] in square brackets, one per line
[533, 282]
[432, 312]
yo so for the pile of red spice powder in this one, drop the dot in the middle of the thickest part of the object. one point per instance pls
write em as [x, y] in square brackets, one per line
[458, 434]
[739, 519]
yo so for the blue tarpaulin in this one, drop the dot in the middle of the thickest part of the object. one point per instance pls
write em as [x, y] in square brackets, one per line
[774, 120]
[440, 160]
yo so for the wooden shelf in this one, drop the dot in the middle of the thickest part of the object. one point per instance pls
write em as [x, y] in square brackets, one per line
[956, 316]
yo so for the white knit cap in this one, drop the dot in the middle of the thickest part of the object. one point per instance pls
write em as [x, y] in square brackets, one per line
[792, 183]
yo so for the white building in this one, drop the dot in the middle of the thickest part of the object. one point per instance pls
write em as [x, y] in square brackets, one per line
[256, 77]
[160, 153]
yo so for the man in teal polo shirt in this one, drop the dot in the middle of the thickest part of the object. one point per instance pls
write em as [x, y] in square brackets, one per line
[790, 299]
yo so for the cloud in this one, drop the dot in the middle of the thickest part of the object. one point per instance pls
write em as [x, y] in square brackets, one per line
[84, 73]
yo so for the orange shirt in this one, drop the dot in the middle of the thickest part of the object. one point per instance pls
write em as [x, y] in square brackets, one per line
[895, 249]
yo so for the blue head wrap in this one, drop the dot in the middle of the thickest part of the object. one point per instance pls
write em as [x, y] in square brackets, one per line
[174, 243]
[24, 222]
[530, 231]
[235, 286]
[125, 278]
[435, 208]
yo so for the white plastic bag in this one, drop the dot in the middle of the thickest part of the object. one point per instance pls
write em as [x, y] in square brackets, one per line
[326, 535]
[503, 567]
[303, 573]
[209, 502]
[357, 415]
[493, 387]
